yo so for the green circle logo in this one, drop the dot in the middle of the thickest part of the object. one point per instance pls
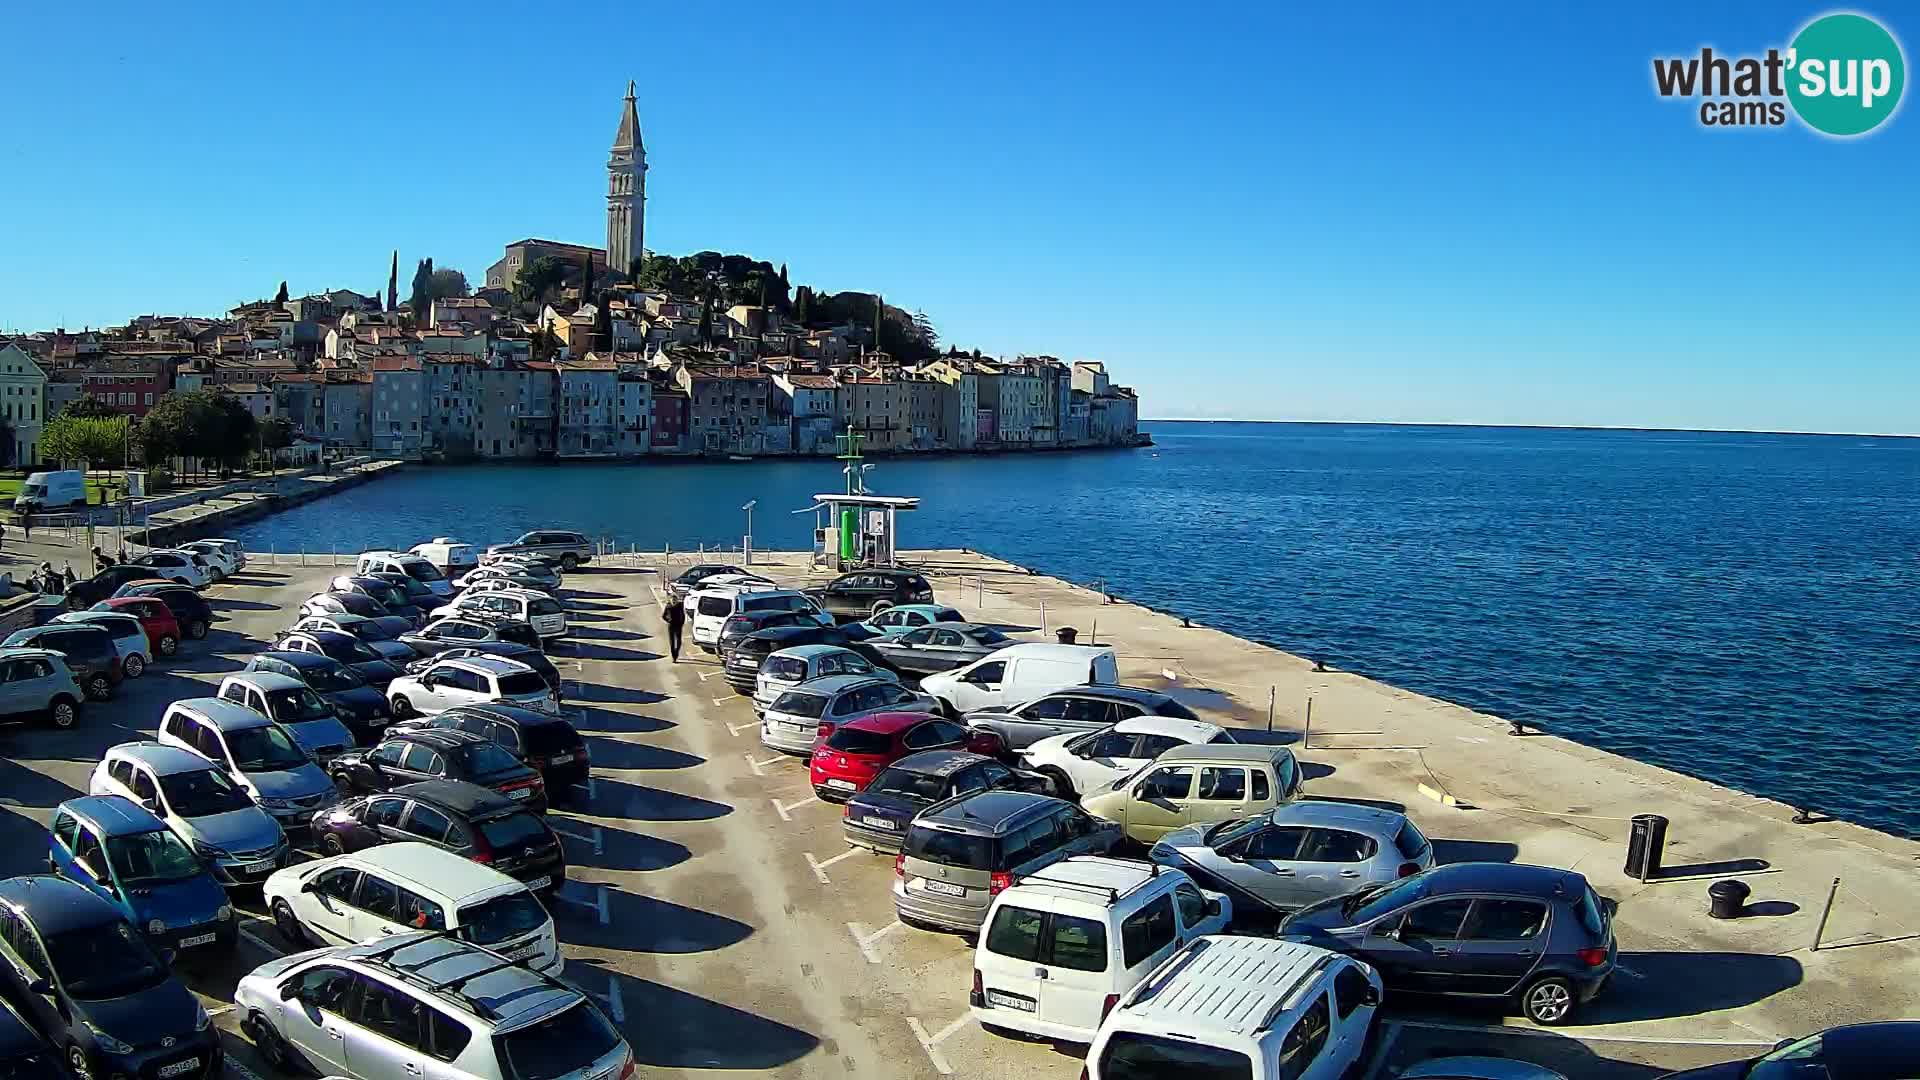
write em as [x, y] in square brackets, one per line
[1845, 74]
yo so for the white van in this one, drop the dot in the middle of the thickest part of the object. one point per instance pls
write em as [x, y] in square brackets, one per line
[1063, 945]
[389, 889]
[450, 556]
[1017, 674]
[709, 606]
[48, 491]
[1259, 1008]
[405, 562]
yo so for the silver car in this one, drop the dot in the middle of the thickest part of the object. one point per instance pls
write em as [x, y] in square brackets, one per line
[809, 712]
[1298, 854]
[788, 668]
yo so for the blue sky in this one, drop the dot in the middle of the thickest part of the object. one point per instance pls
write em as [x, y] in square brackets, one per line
[1429, 214]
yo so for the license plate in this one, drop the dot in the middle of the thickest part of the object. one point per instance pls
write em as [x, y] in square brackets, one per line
[880, 822]
[561, 759]
[843, 785]
[540, 882]
[520, 793]
[945, 888]
[178, 1068]
[197, 939]
[523, 951]
[256, 867]
[1010, 1001]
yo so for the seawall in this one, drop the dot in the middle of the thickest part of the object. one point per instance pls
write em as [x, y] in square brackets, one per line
[211, 517]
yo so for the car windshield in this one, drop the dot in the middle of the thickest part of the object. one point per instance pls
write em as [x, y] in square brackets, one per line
[1228, 832]
[545, 607]
[913, 785]
[950, 848]
[1133, 1056]
[797, 704]
[558, 1046]
[421, 570]
[859, 632]
[852, 740]
[1369, 904]
[203, 792]
[787, 668]
[331, 679]
[987, 635]
[1411, 841]
[513, 831]
[374, 630]
[149, 857]
[344, 648]
[502, 918]
[521, 683]
[264, 749]
[298, 704]
[485, 759]
[106, 960]
[714, 606]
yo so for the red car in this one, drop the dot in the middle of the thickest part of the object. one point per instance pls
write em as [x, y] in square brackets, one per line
[855, 753]
[163, 630]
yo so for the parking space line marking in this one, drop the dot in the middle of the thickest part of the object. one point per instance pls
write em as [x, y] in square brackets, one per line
[1627, 971]
[784, 808]
[597, 839]
[721, 702]
[261, 943]
[736, 729]
[931, 1043]
[245, 1073]
[759, 767]
[598, 903]
[220, 1010]
[705, 675]
[1576, 1033]
[820, 868]
[865, 940]
[612, 998]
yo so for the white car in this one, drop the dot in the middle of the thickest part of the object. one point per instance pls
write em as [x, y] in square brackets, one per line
[453, 557]
[1061, 945]
[188, 568]
[223, 557]
[387, 889]
[547, 616]
[1091, 761]
[401, 562]
[129, 636]
[471, 680]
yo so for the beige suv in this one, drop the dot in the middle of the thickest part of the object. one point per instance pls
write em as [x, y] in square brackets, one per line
[1198, 785]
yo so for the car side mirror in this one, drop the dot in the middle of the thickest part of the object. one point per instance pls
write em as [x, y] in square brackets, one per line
[1213, 906]
[1371, 995]
[309, 887]
[289, 991]
[1391, 933]
[40, 986]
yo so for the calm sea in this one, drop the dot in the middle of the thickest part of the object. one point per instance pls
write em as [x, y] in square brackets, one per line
[1745, 608]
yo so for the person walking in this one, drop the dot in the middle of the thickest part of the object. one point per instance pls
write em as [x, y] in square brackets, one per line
[676, 616]
[26, 525]
[3, 537]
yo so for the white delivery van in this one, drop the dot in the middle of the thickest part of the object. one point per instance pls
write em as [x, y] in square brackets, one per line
[450, 556]
[414, 566]
[49, 491]
[1017, 674]
[713, 603]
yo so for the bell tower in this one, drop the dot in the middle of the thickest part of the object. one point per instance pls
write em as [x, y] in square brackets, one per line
[626, 192]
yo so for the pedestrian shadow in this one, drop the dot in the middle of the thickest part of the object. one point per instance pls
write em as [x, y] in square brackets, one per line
[622, 755]
[636, 802]
[672, 1029]
[591, 721]
[1461, 851]
[637, 923]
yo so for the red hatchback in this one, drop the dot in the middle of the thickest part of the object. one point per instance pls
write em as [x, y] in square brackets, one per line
[156, 618]
[855, 753]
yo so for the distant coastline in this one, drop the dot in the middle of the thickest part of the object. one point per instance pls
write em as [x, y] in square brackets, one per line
[1530, 427]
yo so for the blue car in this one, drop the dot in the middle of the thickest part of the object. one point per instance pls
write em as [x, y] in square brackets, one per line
[119, 851]
[904, 617]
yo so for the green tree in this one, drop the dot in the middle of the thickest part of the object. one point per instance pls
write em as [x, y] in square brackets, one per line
[446, 282]
[60, 439]
[536, 281]
[422, 296]
[802, 305]
[6, 442]
[280, 297]
[87, 405]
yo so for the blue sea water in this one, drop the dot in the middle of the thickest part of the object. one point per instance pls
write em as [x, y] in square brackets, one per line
[1741, 607]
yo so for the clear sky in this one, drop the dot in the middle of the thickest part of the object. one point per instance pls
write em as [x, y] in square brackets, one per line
[1460, 213]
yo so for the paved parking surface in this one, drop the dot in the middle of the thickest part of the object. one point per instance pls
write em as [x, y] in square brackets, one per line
[713, 906]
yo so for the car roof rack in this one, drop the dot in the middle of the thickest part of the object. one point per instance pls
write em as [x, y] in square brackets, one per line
[413, 974]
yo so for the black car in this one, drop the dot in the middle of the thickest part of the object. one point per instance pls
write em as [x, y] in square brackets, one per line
[408, 757]
[737, 627]
[90, 982]
[89, 652]
[87, 592]
[391, 596]
[692, 576]
[548, 743]
[189, 608]
[857, 595]
[1533, 934]
[742, 663]
[1877, 1051]
[362, 708]
[876, 818]
[464, 818]
[25, 1054]
[518, 631]
[347, 649]
[506, 650]
[418, 592]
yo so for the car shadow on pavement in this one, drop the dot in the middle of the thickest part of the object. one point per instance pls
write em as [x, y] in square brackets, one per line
[583, 594]
[579, 614]
[1458, 851]
[1261, 736]
[599, 633]
[224, 603]
[634, 802]
[623, 849]
[1413, 1044]
[599, 693]
[608, 753]
[582, 651]
[1675, 984]
[23, 842]
[637, 923]
[591, 721]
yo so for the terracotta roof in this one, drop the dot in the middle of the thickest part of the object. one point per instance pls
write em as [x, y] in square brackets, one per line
[396, 363]
[814, 382]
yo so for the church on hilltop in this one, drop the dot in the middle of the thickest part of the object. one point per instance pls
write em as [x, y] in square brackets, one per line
[626, 213]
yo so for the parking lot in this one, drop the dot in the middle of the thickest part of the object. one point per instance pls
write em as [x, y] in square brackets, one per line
[715, 911]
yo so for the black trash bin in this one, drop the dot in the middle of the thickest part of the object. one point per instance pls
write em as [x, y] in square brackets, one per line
[1729, 899]
[1644, 844]
[1066, 634]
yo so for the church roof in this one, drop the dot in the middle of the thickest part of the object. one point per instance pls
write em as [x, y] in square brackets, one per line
[628, 137]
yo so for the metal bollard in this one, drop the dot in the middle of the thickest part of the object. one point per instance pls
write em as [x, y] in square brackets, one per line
[1821, 930]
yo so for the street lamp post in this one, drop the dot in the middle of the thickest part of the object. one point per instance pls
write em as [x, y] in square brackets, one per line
[746, 544]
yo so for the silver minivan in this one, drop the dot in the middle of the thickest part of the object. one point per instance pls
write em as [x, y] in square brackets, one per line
[962, 853]
[811, 711]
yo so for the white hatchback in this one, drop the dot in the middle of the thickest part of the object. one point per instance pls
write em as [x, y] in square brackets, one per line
[392, 889]
[470, 680]
[1092, 761]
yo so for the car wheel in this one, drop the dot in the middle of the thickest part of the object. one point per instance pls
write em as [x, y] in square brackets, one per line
[288, 926]
[331, 843]
[267, 1041]
[1062, 787]
[879, 606]
[569, 562]
[99, 688]
[197, 629]
[402, 708]
[134, 666]
[169, 644]
[63, 713]
[78, 1062]
[1548, 1001]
